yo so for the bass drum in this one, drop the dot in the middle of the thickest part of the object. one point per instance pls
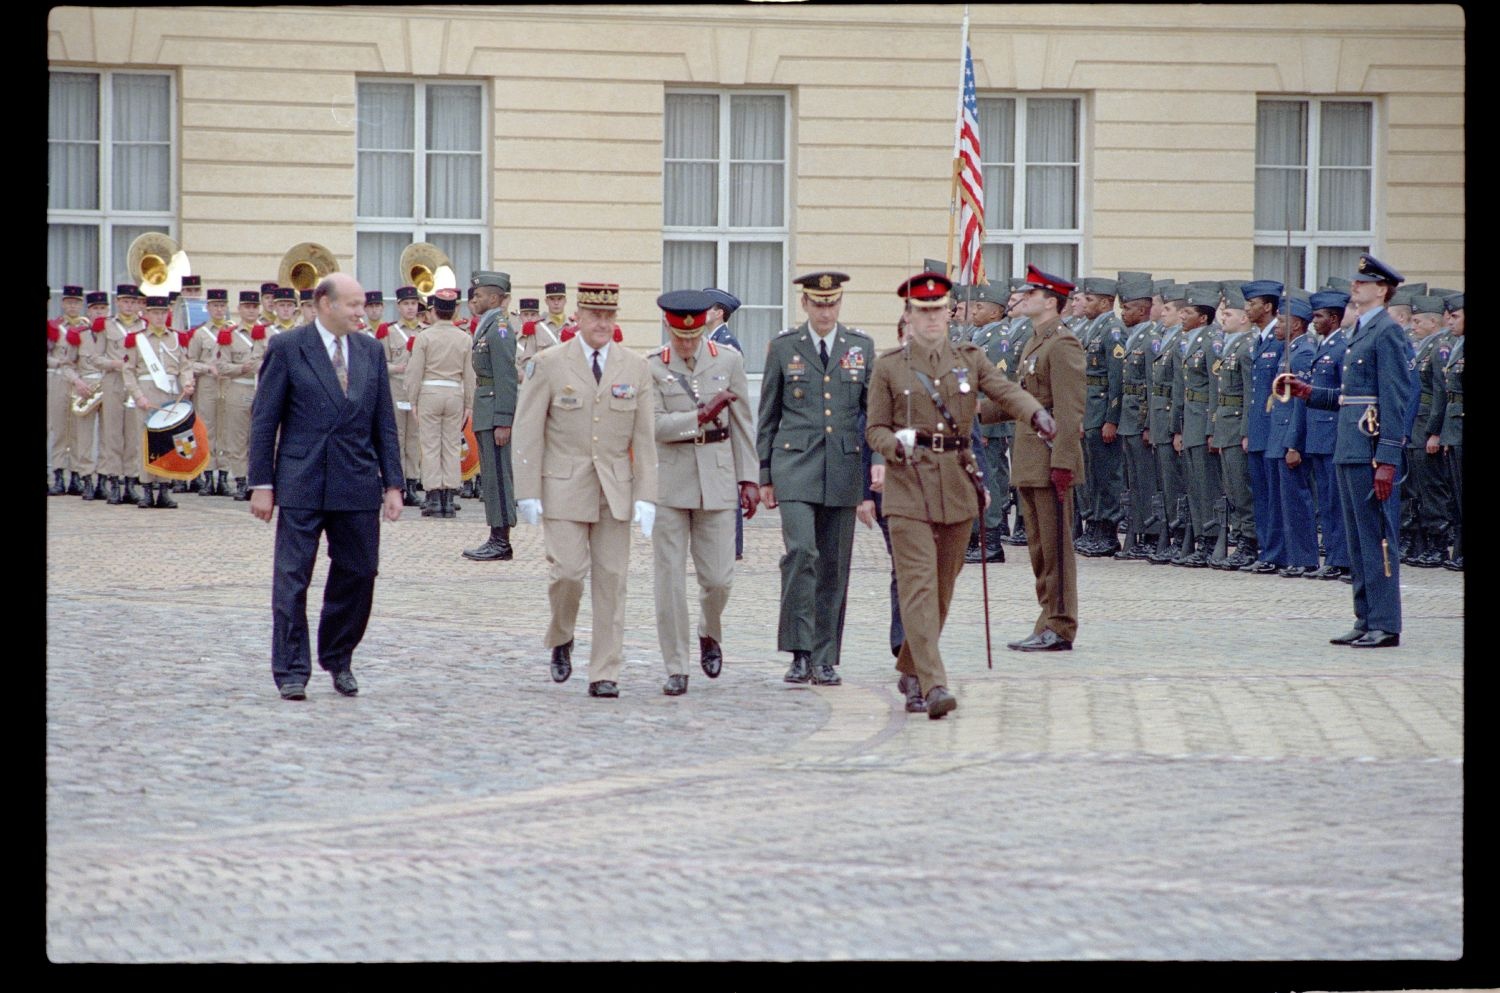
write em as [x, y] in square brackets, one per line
[176, 443]
[468, 452]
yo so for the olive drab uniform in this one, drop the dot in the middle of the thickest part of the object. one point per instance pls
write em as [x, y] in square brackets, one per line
[1141, 479]
[1104, 352]
[1447, 422]
[1165, 420]
[1195, 399]
[493, 357]
[1427, 474]
[809, 442]
[994, 340]
[930, 499]
[1234, 375]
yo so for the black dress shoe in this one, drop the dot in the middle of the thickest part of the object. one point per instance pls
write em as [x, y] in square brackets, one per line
[1348, 639]
[1328, 572]
[562, 662]
[343, 681]
[710, 656]
[496, 549]
[88, 492]
[823, 675]
[800, 670]
[1046, 641]
[1455, 564]
[939, 702]
[606, 688]
[293, 691]
[241, 490]
[1262, 568]
[1292, 572]
[676, 685]
[911, 688]
[1017, 537]
[1376, 639]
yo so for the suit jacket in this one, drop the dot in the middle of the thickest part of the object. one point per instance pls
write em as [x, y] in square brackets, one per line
[1052, 370]
[576, 439]
[701, 476]
[320, 449]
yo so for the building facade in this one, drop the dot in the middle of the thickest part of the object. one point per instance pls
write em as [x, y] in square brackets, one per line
[666, 147]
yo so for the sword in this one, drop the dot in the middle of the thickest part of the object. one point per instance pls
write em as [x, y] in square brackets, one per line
[1059, 608]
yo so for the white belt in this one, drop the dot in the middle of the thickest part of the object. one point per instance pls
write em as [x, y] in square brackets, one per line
[442, 382]
[54, 372]
[93, 375]
[248, 381]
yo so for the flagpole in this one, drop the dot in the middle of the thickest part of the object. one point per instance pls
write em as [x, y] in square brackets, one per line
[956, 165]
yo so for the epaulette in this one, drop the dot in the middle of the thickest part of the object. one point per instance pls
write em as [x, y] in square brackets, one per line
[98, 324]
[258, 332]
[53, 334]
[665, 354]
[411, 341]
[783, 334]
[225, 336]
[184, 338]
[383, 330]
[129, 340]
[859, 331]
[74, 338]
[713, 350]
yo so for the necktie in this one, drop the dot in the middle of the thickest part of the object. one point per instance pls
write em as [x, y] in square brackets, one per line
[598, 373]
[339, 368]
[823, 351]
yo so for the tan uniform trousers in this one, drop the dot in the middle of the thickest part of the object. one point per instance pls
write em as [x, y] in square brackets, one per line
[409, 438]
[234, 426]
[60, 422]
[116, 424]
[928, 558]
[710, 533]
[600, 551]
[86, 433]
[208, 401]
[440, 416]
[1040, 510]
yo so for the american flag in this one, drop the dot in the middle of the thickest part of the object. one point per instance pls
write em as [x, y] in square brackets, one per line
[970, 182]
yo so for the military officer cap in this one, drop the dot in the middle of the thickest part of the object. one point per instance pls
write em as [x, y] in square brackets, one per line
[157, 303]
[1135, 286]
[1225, 285]
[373, 297]
[1046, 281]
[934, 265]
[550, 290]
[251, 296]
[1297, 293]
[1300, 308]
[1233, 298]
[1426, 304]
[1415, 289]
[1098, 286]
[72, 292]
[993, 292]
[724, 299]
[599, 296]
[1172, 292]
[96, 296]
[1438, 291]
[407, 293]
[267, 288]
[1017, 283]
[190, 281]
[127, 290]
[491, 277]
[926, 290]
[1158, 285]
[1203, 296]
[528, 303]
[1263, 288]
[1452, 302]
[305, 296]
[285, 293]
[1204, 284]
[1335, 283]
[218, 295]
[1328, 300]
[1372, 270]
[172, 296]
[823, 287]
[444, 302]
[685, 311]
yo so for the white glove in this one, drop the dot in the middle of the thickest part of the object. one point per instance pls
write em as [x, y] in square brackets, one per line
[908, 439]
[530, 511]
[645, 516]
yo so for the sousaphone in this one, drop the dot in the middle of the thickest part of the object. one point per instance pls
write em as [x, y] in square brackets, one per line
[305, 264]
[427, 267]
[157, 264]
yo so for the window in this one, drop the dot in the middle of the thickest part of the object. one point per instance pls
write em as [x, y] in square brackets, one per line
[421, 177]
[1031, 151]
[1314, 175]
[724, 202]
[109, 172]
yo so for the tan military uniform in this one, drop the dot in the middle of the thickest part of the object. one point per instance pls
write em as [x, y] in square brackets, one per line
[408, 432]
[208, 392]
[930, 499]
[529, 345]
[238, 362]
[1052, 370]
[440, 386]
[89, 426]
[173, 356]
[587, 450]
[699, 469]
[119, 444]
[67, 447]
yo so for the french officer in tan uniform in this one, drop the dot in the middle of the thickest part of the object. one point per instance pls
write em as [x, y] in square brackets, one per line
[923, 399]
[534, 334]
[157, 371]
[585, 455]
[440, 385]
[705, 467]
[119, 441]
[399, 338]
[64, 339]
[203, 353]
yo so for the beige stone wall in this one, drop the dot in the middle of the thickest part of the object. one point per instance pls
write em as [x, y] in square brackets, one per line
[266, 109]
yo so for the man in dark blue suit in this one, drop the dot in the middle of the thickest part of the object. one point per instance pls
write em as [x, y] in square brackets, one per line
[323, 446]
[1374, 406]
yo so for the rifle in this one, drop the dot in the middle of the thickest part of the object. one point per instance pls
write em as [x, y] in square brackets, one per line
[1221, 547]
[1163, 528]
[1183, 526]
[1131, 534]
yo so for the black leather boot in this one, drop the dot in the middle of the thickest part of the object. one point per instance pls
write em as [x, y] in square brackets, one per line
[205, 484]
[146, 497]
[496, 549]
[994, 548]
[971, 552]
[75, 484]
[88, 488]
[409, 494]
[164, 497]
[58, 488]
[241, 491]
[430, 505]
[448, 502]
[114, 497]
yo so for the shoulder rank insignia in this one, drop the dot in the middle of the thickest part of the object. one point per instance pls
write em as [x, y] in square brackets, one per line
[1119, 352]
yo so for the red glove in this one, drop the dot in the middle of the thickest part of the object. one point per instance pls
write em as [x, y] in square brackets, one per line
[715, 407]
[98, 324]
[749, 499]
[1301, 390]
[528, 329]
[1385, 479]
[1061, 480]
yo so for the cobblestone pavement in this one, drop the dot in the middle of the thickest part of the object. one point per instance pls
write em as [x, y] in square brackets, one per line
[1180, 786]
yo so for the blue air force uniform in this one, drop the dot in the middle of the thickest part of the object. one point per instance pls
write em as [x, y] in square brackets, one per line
[1268, 535]
[1293, 486]
[1320, 432]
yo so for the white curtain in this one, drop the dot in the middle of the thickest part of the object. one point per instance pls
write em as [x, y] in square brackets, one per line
[72, 257]
[757, 276]
[1059, 260]
[1270, 263]
[454, 157]
[73, 141]
[687, 265]
[997, 150]
[757, 172]
[997, 261]
[1052, 187]
[386, 137]
[1280, 165]
[1344, 168]
[690, 160]
[377, 259]
[142, 142]
[463, 249]
[1342, 260]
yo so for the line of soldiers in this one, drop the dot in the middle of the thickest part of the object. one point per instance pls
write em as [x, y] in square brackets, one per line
[1187, 452]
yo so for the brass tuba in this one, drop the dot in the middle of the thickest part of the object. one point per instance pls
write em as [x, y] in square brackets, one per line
[304, 264]
[422, 265]
[157, 264]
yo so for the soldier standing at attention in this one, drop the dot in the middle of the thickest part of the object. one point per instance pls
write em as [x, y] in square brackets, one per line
[1166, 369]
[493, 357]
[91, 378]
[1374, 405]
[993, 456]
[64, 339]
[1321, 430]
[203, 353]
[1194, 397]
[1142, 338]
[555, 295]
[399, 338]
[1427, 477]
[1103, 340]
[120, 444]
[156, 372]
[811, 403]
[1234, 374]
[440, 385]
[1299, 513]
[923, 400]
[238, 356]
[705, 467]
[374, 311]
[1445, 425]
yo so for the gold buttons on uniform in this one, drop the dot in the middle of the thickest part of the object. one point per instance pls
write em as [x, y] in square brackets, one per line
[827, 379]
[829, 429]
[827, 396]
[827, 413]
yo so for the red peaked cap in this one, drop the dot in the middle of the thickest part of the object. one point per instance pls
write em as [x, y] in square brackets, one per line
[1047, 281]
[929, 288]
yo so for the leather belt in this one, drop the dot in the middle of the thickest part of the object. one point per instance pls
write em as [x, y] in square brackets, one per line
[1161, 391]
[1231, 401]
[442, 382]
[1096, 380]
[1197, 396]
[1135, 391]
[709, 437]
[941, 442]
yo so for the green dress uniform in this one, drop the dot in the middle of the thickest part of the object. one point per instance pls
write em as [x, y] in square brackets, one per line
[1141, 343]
[1195, 398]
[1447, 422]
[1165, 420]
[1232, 381]
[493, 356]
[1103, 340]
[1427, 478]
[809, 441]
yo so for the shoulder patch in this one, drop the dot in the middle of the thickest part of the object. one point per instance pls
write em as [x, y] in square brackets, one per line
[1114, 334]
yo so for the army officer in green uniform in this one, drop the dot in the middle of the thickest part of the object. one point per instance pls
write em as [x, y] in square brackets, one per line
[494, 358]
